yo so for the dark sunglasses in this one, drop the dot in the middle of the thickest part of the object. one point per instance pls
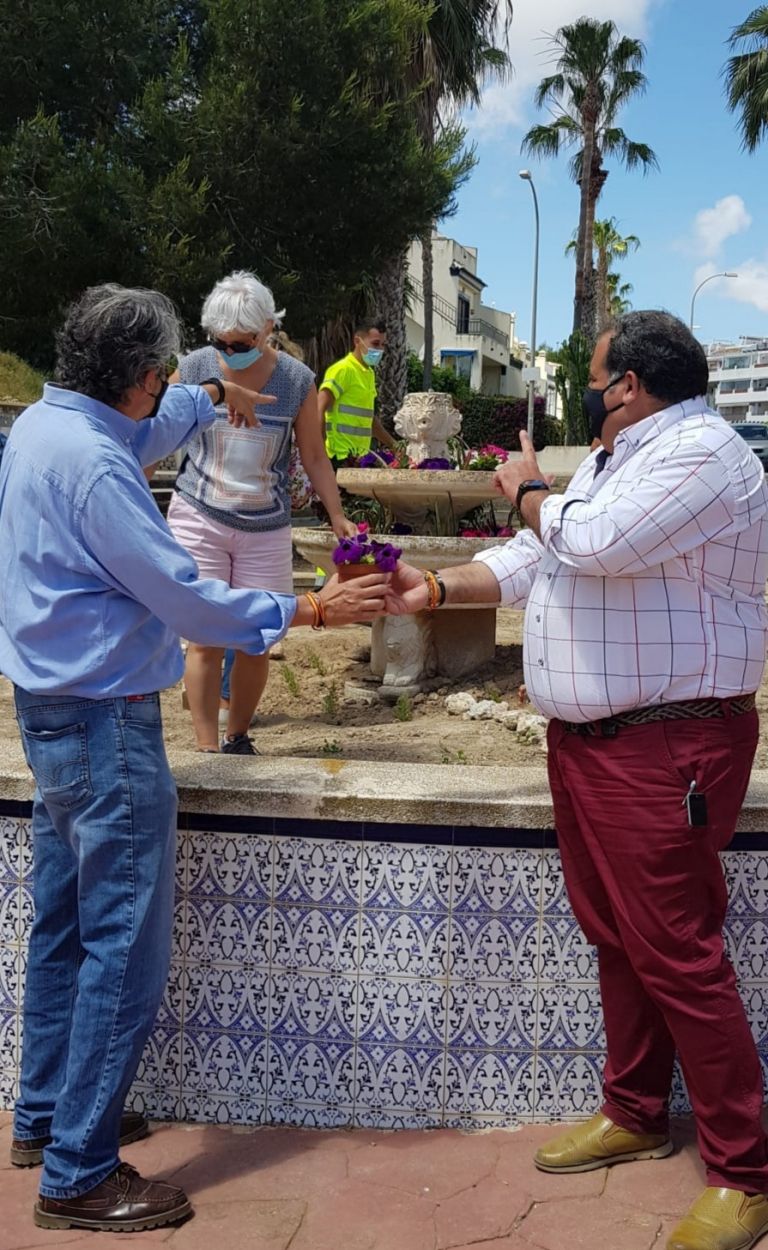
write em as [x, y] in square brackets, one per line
[231, 348]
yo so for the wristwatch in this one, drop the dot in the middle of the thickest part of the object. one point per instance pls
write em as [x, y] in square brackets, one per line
[533, 483]
[217, 382]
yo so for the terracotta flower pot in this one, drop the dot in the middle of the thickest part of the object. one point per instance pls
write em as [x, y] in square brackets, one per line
[347, 572]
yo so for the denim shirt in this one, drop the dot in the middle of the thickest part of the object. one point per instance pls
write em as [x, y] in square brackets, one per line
[95, 592]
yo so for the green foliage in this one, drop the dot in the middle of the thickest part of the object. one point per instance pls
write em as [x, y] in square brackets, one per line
[746, 77]
[19, 383]
[494, 419]
[403, 709]
[291, 681]
[314, 661]
[331, 701]
[185, 140]
[571, 379]
[444, 380]
[330, 747]
[453, 757]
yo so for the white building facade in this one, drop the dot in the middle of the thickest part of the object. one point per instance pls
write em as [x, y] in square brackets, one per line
[738, 379]
[474, 339]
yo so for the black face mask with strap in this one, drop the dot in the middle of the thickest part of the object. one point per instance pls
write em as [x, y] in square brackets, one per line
[594, 403]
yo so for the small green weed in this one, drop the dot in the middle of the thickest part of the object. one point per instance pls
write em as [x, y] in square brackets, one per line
[291, 681]
[331, 700]
[492, 692]
[403, 709]
[454, 757]
[330, 747]
[314, 661]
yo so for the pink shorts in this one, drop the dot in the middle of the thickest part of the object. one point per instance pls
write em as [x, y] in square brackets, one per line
[244, 559]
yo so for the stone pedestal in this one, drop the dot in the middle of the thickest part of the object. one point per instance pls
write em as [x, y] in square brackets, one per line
[410, 653]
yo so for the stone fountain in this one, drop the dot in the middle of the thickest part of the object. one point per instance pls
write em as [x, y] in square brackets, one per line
[413, 653]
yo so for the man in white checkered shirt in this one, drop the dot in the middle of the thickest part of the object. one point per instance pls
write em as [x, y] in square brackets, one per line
[645, 641]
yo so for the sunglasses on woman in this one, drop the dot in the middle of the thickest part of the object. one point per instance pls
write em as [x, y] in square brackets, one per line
[231, 348]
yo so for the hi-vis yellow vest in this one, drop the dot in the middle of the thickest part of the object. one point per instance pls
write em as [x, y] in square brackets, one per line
[349, 422]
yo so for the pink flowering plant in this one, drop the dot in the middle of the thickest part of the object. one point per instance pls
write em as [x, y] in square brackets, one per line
[364, 550]
[485, 459]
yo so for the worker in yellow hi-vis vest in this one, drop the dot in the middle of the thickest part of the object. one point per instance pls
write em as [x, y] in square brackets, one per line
[347, 397]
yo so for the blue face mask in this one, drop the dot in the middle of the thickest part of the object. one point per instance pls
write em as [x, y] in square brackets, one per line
[241, 360]
[373, 356]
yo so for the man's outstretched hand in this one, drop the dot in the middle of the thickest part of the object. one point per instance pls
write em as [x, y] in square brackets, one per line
[509, 476]
[406, 591]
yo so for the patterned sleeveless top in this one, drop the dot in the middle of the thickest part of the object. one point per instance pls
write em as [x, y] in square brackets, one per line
[240, 477]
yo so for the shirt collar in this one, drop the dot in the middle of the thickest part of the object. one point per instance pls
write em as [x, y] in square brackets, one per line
[659, 422]
[116, 422]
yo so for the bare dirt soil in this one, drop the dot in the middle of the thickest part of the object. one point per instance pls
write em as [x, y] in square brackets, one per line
[304, 713]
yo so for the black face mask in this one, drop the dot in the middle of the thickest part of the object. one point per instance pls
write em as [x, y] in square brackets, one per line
[158, 400]
[594, 402]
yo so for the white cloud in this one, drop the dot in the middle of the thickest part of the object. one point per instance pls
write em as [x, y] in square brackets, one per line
[750, 286]
[511, 105]
[712, 226]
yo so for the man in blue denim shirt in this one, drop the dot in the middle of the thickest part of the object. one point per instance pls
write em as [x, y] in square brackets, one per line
[94, 593]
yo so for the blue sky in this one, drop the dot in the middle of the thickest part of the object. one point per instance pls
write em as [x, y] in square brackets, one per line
[704, 211]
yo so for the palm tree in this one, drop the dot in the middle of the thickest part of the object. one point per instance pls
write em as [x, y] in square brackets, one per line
[607, 245]
[597, 72]
[746, 76]
[452, 58]
[618, 293]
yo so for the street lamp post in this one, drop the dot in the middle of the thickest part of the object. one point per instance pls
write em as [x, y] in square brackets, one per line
[701, 284]
[525, 174]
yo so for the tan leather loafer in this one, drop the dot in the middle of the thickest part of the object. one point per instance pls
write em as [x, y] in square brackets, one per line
[598, 1144]
[722, 1219]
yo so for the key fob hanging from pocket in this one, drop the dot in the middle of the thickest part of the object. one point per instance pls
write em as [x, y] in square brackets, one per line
[696, 807]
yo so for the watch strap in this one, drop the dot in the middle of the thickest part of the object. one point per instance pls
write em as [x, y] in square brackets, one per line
[217, 382]
[532, 483]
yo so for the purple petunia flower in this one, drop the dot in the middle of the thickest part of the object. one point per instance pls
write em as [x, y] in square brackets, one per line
[350, 551]
[369, 461]
[386, 556]
[436, 462]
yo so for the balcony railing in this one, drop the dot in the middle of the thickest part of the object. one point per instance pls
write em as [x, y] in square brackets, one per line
[483, 328]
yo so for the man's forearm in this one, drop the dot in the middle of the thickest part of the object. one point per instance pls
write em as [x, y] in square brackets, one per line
[530, 509]
[381, 435]
[470, 583]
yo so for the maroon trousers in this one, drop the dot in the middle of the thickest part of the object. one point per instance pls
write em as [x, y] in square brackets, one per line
[649, 893]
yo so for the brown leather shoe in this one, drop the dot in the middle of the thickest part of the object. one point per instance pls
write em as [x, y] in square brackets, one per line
[123, 1203]
[29, 1154]
[721, 1219]
[598, 1144]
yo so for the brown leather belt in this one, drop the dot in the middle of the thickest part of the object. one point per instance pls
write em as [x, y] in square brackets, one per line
[687, 709]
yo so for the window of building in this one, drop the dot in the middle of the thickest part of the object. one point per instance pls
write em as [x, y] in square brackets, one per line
[462, 315]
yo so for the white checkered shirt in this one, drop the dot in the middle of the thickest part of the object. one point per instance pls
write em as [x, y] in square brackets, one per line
[648, 584]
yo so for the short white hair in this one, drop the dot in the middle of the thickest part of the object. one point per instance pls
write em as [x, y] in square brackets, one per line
[239, 302]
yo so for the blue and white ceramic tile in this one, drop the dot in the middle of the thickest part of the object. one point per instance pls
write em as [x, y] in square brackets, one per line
[157, 1078]
[310, 1071]
[408, 878]
[221, 997]
[297, 1114]
[405, 1011]
[564, 953]
[485, 1087]
[397, 1080]
[489, 1014]
[232, 866]
[494, 947]
[11, 931]
[211, 1107]
[749, 950]
[313, 1004]
[13, 834]
[312, 939]
[12, 970]
[746, 874]
[570, 1016]
[679, 1102]
[497, 880]
[399, 943]
[568, 1084]
[318, 872]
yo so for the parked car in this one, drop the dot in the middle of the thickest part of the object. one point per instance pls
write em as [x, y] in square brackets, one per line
[757, 436]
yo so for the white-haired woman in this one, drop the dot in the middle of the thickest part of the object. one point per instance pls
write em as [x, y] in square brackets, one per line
[231, 505]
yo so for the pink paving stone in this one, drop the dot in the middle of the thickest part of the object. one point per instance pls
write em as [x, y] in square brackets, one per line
[513, 1242]
[589, 1224]
[485, 1211]
[251, 1225]
[664, 1186]
[515, 1166]
[437, 1163]
[356, 1216]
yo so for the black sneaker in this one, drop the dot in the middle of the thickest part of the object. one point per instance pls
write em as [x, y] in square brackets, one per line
[237, 744]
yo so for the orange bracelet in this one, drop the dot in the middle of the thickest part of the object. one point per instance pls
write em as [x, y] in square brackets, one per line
[433, 590]
[318, 610]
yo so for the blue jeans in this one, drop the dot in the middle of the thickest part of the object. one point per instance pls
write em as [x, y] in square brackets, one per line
[104, 830]
[226, 677]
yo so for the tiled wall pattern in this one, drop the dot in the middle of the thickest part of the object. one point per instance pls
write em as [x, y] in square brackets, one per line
[378, 983]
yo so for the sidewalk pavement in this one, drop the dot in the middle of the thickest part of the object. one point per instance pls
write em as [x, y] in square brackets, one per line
[297, 1189]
